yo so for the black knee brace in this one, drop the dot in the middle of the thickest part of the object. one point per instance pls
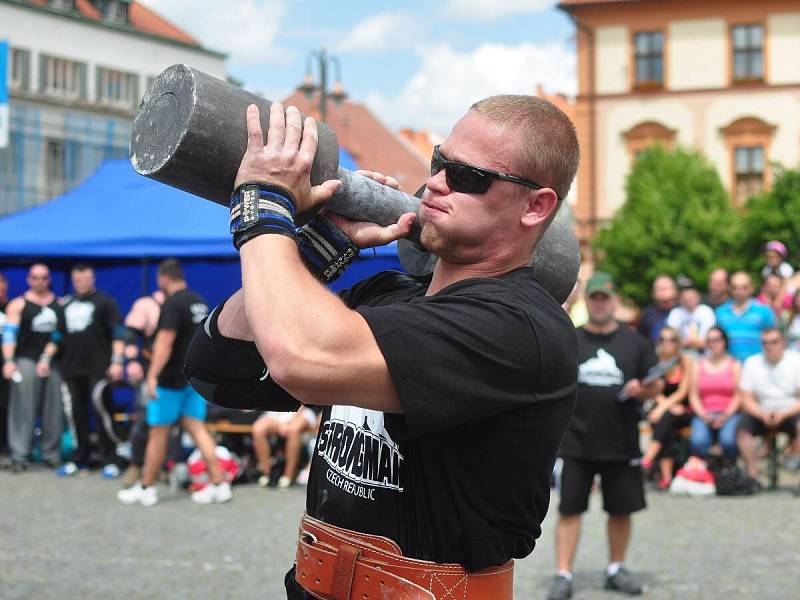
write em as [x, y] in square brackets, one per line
[231, 372]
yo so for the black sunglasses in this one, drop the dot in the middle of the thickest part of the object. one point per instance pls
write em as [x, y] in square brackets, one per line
[469, 179]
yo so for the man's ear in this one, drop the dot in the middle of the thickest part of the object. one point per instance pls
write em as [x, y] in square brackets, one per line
[541, 204]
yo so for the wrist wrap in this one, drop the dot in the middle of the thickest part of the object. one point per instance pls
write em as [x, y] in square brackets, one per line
[325, 249]
[259, 208]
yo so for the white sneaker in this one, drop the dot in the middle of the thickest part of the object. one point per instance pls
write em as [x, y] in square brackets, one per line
[284, 483]
[220, 492]
[137, 494]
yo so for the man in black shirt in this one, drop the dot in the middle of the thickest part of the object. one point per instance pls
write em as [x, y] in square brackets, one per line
[33, 331]
[171, 397]
[445, 398]
[603, 436]
[93, 348]
[3, 381]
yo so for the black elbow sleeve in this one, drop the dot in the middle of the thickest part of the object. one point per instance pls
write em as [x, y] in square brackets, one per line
[231, 373]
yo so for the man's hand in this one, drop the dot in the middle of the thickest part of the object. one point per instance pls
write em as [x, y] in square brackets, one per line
[152, 382]
[633, 388]
[9, 368]
[767, 418]
[43, 368]
[287, 157]
[368, 235]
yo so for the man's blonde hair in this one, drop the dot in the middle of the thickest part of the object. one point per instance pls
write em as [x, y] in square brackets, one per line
[549, 145]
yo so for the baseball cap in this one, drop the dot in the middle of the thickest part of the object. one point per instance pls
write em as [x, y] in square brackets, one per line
[777, 247]
[601, 282]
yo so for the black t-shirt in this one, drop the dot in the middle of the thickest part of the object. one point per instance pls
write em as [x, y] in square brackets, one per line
[91, 324]
[603, 428]
[182, 312]
[36, 326]
[485, 371]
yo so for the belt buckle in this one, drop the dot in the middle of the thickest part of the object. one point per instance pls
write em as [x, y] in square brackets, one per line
[308, 537]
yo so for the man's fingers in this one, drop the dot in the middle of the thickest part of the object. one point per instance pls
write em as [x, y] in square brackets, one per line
[294, 127]
[380, 178]
[308, 146]
[277, 126]
[322, 193]
[255, 137]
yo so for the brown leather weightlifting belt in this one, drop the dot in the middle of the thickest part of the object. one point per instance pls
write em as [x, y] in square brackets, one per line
[339, 564]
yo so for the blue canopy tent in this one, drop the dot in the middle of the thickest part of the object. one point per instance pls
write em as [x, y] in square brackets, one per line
[123, 224]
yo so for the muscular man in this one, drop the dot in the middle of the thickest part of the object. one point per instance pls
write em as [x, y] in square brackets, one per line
[172, 399]
[34, 328]
[445, 398]
[92, 348]
[603, 437]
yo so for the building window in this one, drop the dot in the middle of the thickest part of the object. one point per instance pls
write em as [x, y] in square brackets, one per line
[647, 134]
[118, 89]
[748, 52]
[115, 11]
[54, 167]
[62, 4]
[649, 57]
[749, 165]
[19, 69]
[61, 77]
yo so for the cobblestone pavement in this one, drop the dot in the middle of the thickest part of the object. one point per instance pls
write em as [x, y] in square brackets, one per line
[69, 538]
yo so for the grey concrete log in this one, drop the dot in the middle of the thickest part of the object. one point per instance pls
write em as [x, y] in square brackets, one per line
[190, 133]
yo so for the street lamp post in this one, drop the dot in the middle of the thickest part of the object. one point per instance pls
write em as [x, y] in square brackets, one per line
[308, 86]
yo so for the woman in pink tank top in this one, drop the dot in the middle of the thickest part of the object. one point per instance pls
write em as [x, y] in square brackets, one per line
[714, 398]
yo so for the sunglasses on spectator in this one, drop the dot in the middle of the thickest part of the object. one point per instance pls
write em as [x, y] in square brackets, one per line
[668, 339]
[771, 341]
[714, 338]
[37, 277]
[469, 179]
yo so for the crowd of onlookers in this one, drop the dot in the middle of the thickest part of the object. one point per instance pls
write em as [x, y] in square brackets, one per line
[728, 355]
[733, 358]
[67, 364]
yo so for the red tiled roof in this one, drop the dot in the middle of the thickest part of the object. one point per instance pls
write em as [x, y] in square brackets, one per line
[140, 18]
[567, 4]
[143, 19]
[371, 144]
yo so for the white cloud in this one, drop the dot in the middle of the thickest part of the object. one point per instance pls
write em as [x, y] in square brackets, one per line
[247, 32]
[481, 10]
[448, 82]
[380, 31]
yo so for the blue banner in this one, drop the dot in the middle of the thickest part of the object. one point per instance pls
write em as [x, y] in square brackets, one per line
[3, 93]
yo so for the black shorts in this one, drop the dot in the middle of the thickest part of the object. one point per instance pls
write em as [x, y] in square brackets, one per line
[756, 427]
[621, 482]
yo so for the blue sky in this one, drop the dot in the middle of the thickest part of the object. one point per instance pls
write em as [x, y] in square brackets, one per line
[415, 64]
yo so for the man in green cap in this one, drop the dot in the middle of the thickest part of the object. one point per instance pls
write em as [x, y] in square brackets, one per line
[603, 436]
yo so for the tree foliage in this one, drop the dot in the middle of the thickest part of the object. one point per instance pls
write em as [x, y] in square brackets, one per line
[773, 215]
[676, 219]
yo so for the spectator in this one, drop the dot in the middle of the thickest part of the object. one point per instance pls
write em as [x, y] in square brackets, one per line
[792, 332]
[603, 437]
[714, 397]
[671, 412]
[774, 294]
[769, 385]
[92, 349]
[171, 397]
[775, 254]
[141, 323]
[691, 319]
[743, 319]
[665, 295]
[33, 331]
[3, 381]
[717, 289]
[289, 426]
